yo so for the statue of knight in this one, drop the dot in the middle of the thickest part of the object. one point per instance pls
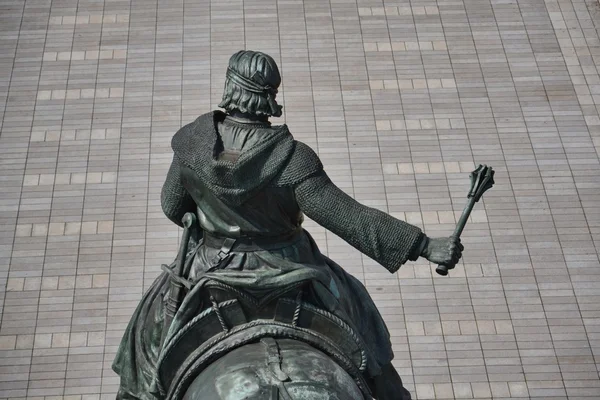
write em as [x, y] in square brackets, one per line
[250, 183]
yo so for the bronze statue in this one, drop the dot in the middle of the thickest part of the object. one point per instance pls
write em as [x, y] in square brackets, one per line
[251, 309]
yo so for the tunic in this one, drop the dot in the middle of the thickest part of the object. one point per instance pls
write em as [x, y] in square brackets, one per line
[254, 180]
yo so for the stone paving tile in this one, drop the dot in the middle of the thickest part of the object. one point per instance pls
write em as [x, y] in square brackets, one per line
[401, 99]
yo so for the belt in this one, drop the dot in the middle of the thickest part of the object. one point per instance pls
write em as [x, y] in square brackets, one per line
[252, 243]
[246, 244]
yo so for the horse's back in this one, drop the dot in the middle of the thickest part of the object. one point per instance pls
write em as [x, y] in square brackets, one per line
[272, 370]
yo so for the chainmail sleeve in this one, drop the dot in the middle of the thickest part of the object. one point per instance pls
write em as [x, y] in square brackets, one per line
[174, 199]
[385, 239]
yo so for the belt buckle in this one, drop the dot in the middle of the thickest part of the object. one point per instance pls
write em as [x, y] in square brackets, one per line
[224, 253]
[221, 255]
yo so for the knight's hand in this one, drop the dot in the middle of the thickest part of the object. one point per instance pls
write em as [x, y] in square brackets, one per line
[443, 251]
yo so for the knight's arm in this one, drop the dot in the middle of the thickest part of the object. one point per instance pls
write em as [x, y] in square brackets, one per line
[174, 199]
[387, 240]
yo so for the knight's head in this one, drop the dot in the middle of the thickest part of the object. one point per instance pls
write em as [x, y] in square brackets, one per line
[251, 84]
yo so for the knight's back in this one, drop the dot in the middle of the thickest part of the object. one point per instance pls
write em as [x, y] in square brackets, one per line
[238, 136]
[269, 211]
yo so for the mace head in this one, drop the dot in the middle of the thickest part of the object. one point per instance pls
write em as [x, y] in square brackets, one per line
[482, 179]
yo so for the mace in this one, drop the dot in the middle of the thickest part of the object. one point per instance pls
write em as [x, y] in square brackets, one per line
[482, 179]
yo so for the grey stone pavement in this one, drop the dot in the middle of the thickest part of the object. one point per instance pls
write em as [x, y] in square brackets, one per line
[401, 99]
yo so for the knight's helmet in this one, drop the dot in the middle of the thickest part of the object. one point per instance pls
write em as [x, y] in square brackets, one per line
[251, 84]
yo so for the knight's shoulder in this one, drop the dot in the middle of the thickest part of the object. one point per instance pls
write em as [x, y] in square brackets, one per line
[305, 153]
[303, 164]
[187, 136]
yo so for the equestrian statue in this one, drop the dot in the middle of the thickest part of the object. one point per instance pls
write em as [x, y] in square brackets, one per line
[251, 308]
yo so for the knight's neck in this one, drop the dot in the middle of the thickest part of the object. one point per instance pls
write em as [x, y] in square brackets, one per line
[248, 118]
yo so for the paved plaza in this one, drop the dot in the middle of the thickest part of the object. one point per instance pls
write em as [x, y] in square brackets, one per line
[401, 100]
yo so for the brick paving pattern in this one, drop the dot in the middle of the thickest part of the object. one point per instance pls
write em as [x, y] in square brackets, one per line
[401, 99]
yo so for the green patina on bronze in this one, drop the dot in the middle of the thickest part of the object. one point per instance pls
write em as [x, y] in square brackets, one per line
[250, 184]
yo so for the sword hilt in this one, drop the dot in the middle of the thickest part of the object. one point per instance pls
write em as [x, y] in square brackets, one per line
[174, 299]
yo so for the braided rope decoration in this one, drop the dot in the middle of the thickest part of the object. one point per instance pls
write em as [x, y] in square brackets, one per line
[298, 308]
[241, 295]
[363, 363]
[213, 349]
[215, 307]
[244, 296]
[185, 328]
[351, 332]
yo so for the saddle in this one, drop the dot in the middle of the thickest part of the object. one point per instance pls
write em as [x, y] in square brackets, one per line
[231, 318]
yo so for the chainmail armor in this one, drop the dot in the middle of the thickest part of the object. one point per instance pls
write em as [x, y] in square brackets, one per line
[387, 240]
[174, 199]
[303, 164]
[282, 161]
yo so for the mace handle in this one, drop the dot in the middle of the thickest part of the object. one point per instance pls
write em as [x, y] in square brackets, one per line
[443, 269]
[482, 179]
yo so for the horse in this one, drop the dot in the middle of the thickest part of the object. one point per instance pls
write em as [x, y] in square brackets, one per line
[278, 345]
